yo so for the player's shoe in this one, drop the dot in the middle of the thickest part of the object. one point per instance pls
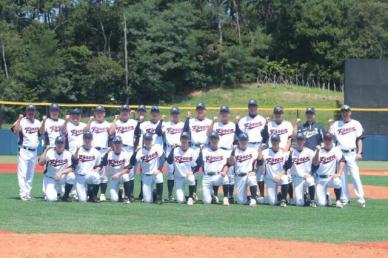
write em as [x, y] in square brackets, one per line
[283, 203]
[65, 199]
[345, 202]
[102, 197]
[195, 197]
[291, 201]
[225, 201]
[338, 204]
[361, 203]
[313, 204]
[261, 200]
[252, 202]
[24, 198]
[170, 198]
[159, 201]
[214, 200]
[126, 200]
[190, 201]
[94, 199]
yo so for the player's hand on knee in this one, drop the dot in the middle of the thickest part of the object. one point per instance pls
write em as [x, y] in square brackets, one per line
[307, 176]
[116, 176]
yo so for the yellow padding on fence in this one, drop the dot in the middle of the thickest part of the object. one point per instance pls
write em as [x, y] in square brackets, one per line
[17, 103]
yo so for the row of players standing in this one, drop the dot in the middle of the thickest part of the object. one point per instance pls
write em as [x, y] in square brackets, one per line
[167, 135]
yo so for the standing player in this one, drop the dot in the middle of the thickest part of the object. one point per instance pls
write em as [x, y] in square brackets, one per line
[213, 161]
[172, 131]
[73, 129]
[116, 163]
[58, 170]
[149, 157]
[141, 112]
[254, 125]
[184, 161]
[27, 128]
[51, 127]
[331, 165]
[153, 126]
[312, 130]
[86, 166]
[227, 131]
[349, 135]
[124, 127]
[99, 127]
[302, 160]
[275, 165]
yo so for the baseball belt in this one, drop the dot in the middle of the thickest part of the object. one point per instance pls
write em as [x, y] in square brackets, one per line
[323, 176]
[27, 148]
[348, 151]
[211, 173]
[242, 174]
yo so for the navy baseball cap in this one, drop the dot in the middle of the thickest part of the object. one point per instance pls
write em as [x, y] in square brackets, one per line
[30, 108]
[224, 109]
[346, 108]
[125, 108]
[200, 105]
[147, 136]
[214, 135]
[54, 107]
[174, 110]
[88, 135]
[328, 136]
[142, 108]
[278, 110]
[99, 109]
[243, 137]
[60, 139]
[155, 109]
[185, 135]
[252, 102]
[117, 139]
[75, 111]
[310, 110]
[275, 138]
[300, 136]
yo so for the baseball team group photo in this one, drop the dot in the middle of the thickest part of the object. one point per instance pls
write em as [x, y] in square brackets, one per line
[209, 128]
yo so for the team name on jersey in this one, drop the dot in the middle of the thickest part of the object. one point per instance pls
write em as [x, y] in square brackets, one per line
[278, 131]
[55, 128]
[211, 159]
[151, 130]
[242, 158]
[98, 129]
[172, 130]
[76, 132]
[253, 125]
[199, 128]
[273, 161]
[223, 132]
[311, 133]
[31, 130]
[298, 161]
[57, 162]
[328, 159]
[147, 158]
[180, 159]
[86, 158]
[343, 131]
[124, 129]
[116, 163]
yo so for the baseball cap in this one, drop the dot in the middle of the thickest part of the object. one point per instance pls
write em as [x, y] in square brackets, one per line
[224, 109]
[147, 136]
[310, 110]
[345, 108]
[30, 107]
[185, 135]
[75, 111]
[252, 102]
[200, 105]
[275, 138]
[142, 108]
[278, 110]
[214, 135]
[88, 135]
[328, 136]
[155, 109]
[60, 139]
[125, 108]
[243, 137]
[300, 136]
[99, 109]
[174, 110]
[54, 107]
[117, 139]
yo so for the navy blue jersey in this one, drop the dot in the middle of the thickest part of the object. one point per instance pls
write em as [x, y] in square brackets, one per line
[313, 133]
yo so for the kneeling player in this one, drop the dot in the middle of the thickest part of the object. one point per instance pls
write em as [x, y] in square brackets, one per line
[86, 162]
[275, 165]
[183, 159]
[58, 171]
[331, 165]
[245, 160]
[116, 163]
[150, 157]
[302, 160]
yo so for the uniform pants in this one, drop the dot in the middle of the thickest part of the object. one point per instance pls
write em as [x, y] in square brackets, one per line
[51, 186]
[26, 170]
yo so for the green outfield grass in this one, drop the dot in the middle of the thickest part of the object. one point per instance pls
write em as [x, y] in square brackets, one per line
[321, 224]
[375, 180]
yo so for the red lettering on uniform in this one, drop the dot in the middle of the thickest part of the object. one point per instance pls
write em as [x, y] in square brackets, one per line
[151, 130]
[325, 160]
[252, 125]
[76, 132]
[273, 161]
[180, 159]
[31, 130]
[301, 160]
[211, 159]
[99, 129]
[116, 163]
[278, 131]
[199, 128]
[343, 131]
[172, 130]
[124, 129]
[86, 158]
[149, 157]
[242, 158]
[55, 128]
[223, 132]
[57, 162]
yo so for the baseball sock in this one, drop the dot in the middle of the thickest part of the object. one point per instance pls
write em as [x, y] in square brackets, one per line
[215, 190]
[94, 191]
[337, 194]
[141, 190]
[170, 186]
[131, 186]
[261, 188]
[284, 189]
[231, 191]
[89, 191]
[127, 189]
[195, 186]
[253, 190]
[291, 190]
[225, 189]
[68, 188]
[159, 191]
[103, 187]
[191, 190]
[312, 192]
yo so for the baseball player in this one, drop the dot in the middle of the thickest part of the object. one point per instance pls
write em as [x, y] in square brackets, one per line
[349, 135]
[141, 112]
[172, 131]
[149, 158]
[51, 127]
[27, 128]
[312, 130]
[213, 161]
[99, 127]
[276, 162]
[184, 160]
[58, 170]
[244, 161]
[331, 164]
[73, 129]
[227, 131]
[254, 125]
[153, 126]
[87, 160]
[124, 127]
[117, 166]
[302, 158]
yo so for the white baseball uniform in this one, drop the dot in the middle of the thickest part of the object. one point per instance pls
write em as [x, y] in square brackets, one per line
[172, 132]
[328, 162]
[100, 133]
[149, 161]
[198, 130]
[346, 135]
[56, 163]
[284, 130]
[88, 160]
[244, 171]
[74, 135]
[52, 129]
[150, 127]
[27, 154]
[301, 166]
[212, 161]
